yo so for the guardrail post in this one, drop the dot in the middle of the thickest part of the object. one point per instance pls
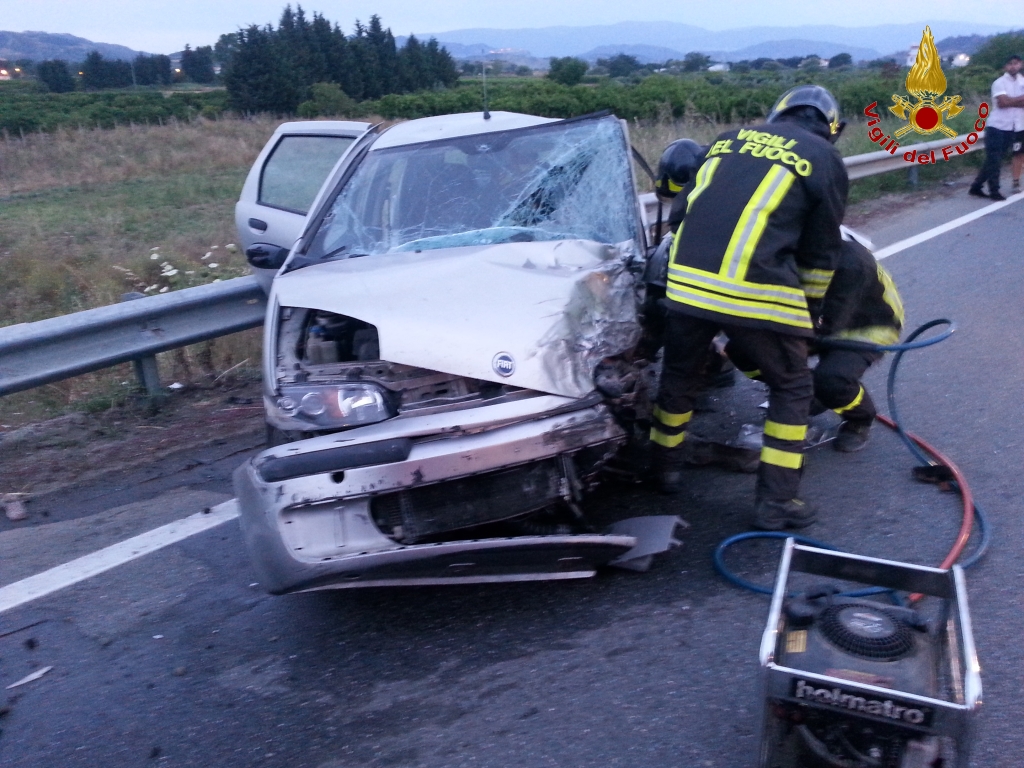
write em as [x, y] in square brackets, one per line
[912, 176]
[146, 370]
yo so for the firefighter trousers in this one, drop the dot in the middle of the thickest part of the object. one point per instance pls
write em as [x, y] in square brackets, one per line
[781, 361]
[837, 384]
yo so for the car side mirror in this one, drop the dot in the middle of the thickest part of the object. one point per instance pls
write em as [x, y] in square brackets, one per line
[264, 256]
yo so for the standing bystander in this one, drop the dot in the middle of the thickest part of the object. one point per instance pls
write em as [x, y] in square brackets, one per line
[1004, 130]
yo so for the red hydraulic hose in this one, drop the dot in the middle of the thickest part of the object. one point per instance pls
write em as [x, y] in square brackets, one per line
[965, 494]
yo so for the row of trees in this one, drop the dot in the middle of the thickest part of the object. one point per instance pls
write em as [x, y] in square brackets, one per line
[273, 69]
[98, 73]
[570, 70]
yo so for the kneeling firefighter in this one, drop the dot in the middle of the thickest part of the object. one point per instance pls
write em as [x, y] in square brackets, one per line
[861, 306]
[753, 256]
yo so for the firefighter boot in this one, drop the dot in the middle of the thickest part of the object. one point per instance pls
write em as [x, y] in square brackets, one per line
[667, 468]
[772, 515]
[852, 437]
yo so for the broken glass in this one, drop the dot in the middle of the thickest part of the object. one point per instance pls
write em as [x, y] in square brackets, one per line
[557, 181]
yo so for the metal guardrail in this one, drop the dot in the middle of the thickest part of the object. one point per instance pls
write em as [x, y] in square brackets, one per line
[871, 163]
[32, 354]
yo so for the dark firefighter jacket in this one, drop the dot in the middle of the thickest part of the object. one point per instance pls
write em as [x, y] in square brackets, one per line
[861, 303]
[760, 229]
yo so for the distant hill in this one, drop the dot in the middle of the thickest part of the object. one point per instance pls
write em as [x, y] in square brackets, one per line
[645, 54]
[961, 44]
[784, 49]
[580, 41]
[40, 46]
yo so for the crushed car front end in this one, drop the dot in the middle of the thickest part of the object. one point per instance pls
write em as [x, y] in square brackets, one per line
[430, 355]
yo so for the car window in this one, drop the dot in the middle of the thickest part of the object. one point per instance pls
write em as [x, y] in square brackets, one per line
[556, 181]
[297, 168]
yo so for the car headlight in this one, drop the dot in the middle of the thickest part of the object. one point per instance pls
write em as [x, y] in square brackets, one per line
[332, 406]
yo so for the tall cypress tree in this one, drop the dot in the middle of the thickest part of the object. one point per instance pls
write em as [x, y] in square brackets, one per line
[274, 69]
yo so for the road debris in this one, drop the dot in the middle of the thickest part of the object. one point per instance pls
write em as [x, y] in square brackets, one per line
[14, 506]
[30, 678]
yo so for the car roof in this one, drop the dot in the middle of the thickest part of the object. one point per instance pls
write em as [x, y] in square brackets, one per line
[308, 127]
[453, 126]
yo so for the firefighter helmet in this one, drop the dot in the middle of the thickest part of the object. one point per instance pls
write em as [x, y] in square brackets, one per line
[813, 96]
[676, 166]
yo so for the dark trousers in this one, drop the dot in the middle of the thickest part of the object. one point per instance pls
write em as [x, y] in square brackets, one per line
[837, 384]
[781, 360]
[997, 143]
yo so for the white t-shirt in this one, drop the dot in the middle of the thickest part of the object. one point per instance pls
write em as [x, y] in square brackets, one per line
[1010, 118]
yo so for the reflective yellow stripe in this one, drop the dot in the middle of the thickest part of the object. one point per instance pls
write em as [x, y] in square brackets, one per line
[815, 275]
[738, 308]
[704, 175]
[752, 374]
[781, 458]
[672, 419]
[856, 401]
[815, 281]
[873, 334]
[891, 296]
[673, 187]
[753, 220]
[785, 431]
[742, 289]
[666, 441]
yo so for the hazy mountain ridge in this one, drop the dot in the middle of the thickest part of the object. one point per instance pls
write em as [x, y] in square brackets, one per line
[40, 46]
[872, 42]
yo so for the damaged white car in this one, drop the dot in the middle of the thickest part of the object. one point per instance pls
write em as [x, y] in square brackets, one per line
[448, 360]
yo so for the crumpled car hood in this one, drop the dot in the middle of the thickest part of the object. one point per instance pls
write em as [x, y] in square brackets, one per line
[537, 315]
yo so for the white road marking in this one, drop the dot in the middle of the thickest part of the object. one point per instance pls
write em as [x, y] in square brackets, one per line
[87, 566]
[910, 242]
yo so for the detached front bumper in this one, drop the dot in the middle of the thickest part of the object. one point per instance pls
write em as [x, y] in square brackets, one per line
[309, 520]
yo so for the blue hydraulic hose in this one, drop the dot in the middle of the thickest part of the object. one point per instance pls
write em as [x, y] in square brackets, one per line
[984, 530]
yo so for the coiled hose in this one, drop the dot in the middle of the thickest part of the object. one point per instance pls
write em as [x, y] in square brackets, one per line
[926, 454]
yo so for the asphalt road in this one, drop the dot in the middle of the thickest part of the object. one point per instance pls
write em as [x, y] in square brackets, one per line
[179, 659]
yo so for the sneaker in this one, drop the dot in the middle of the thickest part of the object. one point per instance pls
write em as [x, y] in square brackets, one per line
[996, 196]
[976, 192]
[852, 437]
[777, 515]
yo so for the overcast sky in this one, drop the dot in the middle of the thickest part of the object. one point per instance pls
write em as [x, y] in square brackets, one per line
[164, 26]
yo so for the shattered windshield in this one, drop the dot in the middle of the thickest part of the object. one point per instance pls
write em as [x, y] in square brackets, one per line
[558, 181]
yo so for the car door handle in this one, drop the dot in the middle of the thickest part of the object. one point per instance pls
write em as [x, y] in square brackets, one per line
[258, 224]
[265, 256]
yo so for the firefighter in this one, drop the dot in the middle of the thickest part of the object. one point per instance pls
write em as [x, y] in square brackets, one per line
[753, 256]
[861, 305]
[676, 167]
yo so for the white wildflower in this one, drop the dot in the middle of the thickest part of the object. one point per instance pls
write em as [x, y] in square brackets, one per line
[154, 256]
[213, 265]
[230, 247]
[165, 289]
[190, 271]
[214, 247]
[150, 288]
[208, 255]
[217, 280]
[157, 248]
[170, 273]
